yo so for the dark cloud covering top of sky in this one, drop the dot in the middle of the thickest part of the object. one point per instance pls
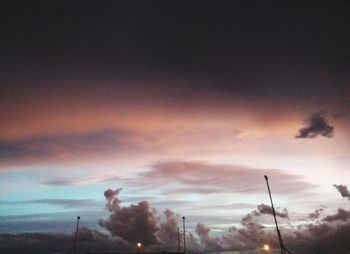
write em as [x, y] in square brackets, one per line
[264, 49]
[316, 125]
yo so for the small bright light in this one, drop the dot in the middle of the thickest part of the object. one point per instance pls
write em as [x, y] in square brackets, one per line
[266, 247]
[139, 245]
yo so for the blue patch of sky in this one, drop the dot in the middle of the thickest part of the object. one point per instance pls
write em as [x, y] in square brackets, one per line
[50, 222]
[19, 187]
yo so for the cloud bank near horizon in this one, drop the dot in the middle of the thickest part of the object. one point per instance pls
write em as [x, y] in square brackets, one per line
[159, 232]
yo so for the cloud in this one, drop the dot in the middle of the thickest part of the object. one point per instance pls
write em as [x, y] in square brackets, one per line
[136, 223]
[88, 241]
[207, 178]
[210, 243]
[315, 214]
[69, 147]
[111, 194]
[321, 237]
[343, 190]
[167, 234]
[265, 209]
[79, 181]
[316, 125]
[140, 222]
[67, 203]
[341, 215]
[247, 237]
[113, 201]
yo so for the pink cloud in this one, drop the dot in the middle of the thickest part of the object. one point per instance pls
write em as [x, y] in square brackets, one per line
[204, 177]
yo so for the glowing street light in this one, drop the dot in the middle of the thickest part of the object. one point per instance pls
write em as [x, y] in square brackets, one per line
[139, 245]
[266, 247]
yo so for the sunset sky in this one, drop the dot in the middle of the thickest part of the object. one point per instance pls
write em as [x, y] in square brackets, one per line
[186, 105]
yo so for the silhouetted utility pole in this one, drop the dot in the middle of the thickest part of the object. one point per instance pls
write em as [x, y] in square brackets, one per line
[183, 223]
[178, 240]
[283, 248]
[76, 236]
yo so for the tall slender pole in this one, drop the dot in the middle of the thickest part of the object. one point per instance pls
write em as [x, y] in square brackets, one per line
[178, 240]
[274, 216]
[76, 236]
[183, 223]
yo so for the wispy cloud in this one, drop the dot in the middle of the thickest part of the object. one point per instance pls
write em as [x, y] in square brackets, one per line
[204, 177]
[69, 147]
[65, 203]
[80, 180]
[68, 203]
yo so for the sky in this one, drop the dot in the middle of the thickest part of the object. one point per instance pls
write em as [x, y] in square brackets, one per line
[185, 106]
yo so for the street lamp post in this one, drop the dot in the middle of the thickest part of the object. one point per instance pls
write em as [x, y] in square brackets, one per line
[76, 236]
[183, 224]
[178, 240]
[284, 249]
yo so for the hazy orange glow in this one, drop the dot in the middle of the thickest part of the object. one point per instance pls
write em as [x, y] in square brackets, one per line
[266, 247]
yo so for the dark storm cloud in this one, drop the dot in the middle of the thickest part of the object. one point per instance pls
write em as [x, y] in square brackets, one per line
[265, 209]
[316, 125]
[343, 190]
[202, 177]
